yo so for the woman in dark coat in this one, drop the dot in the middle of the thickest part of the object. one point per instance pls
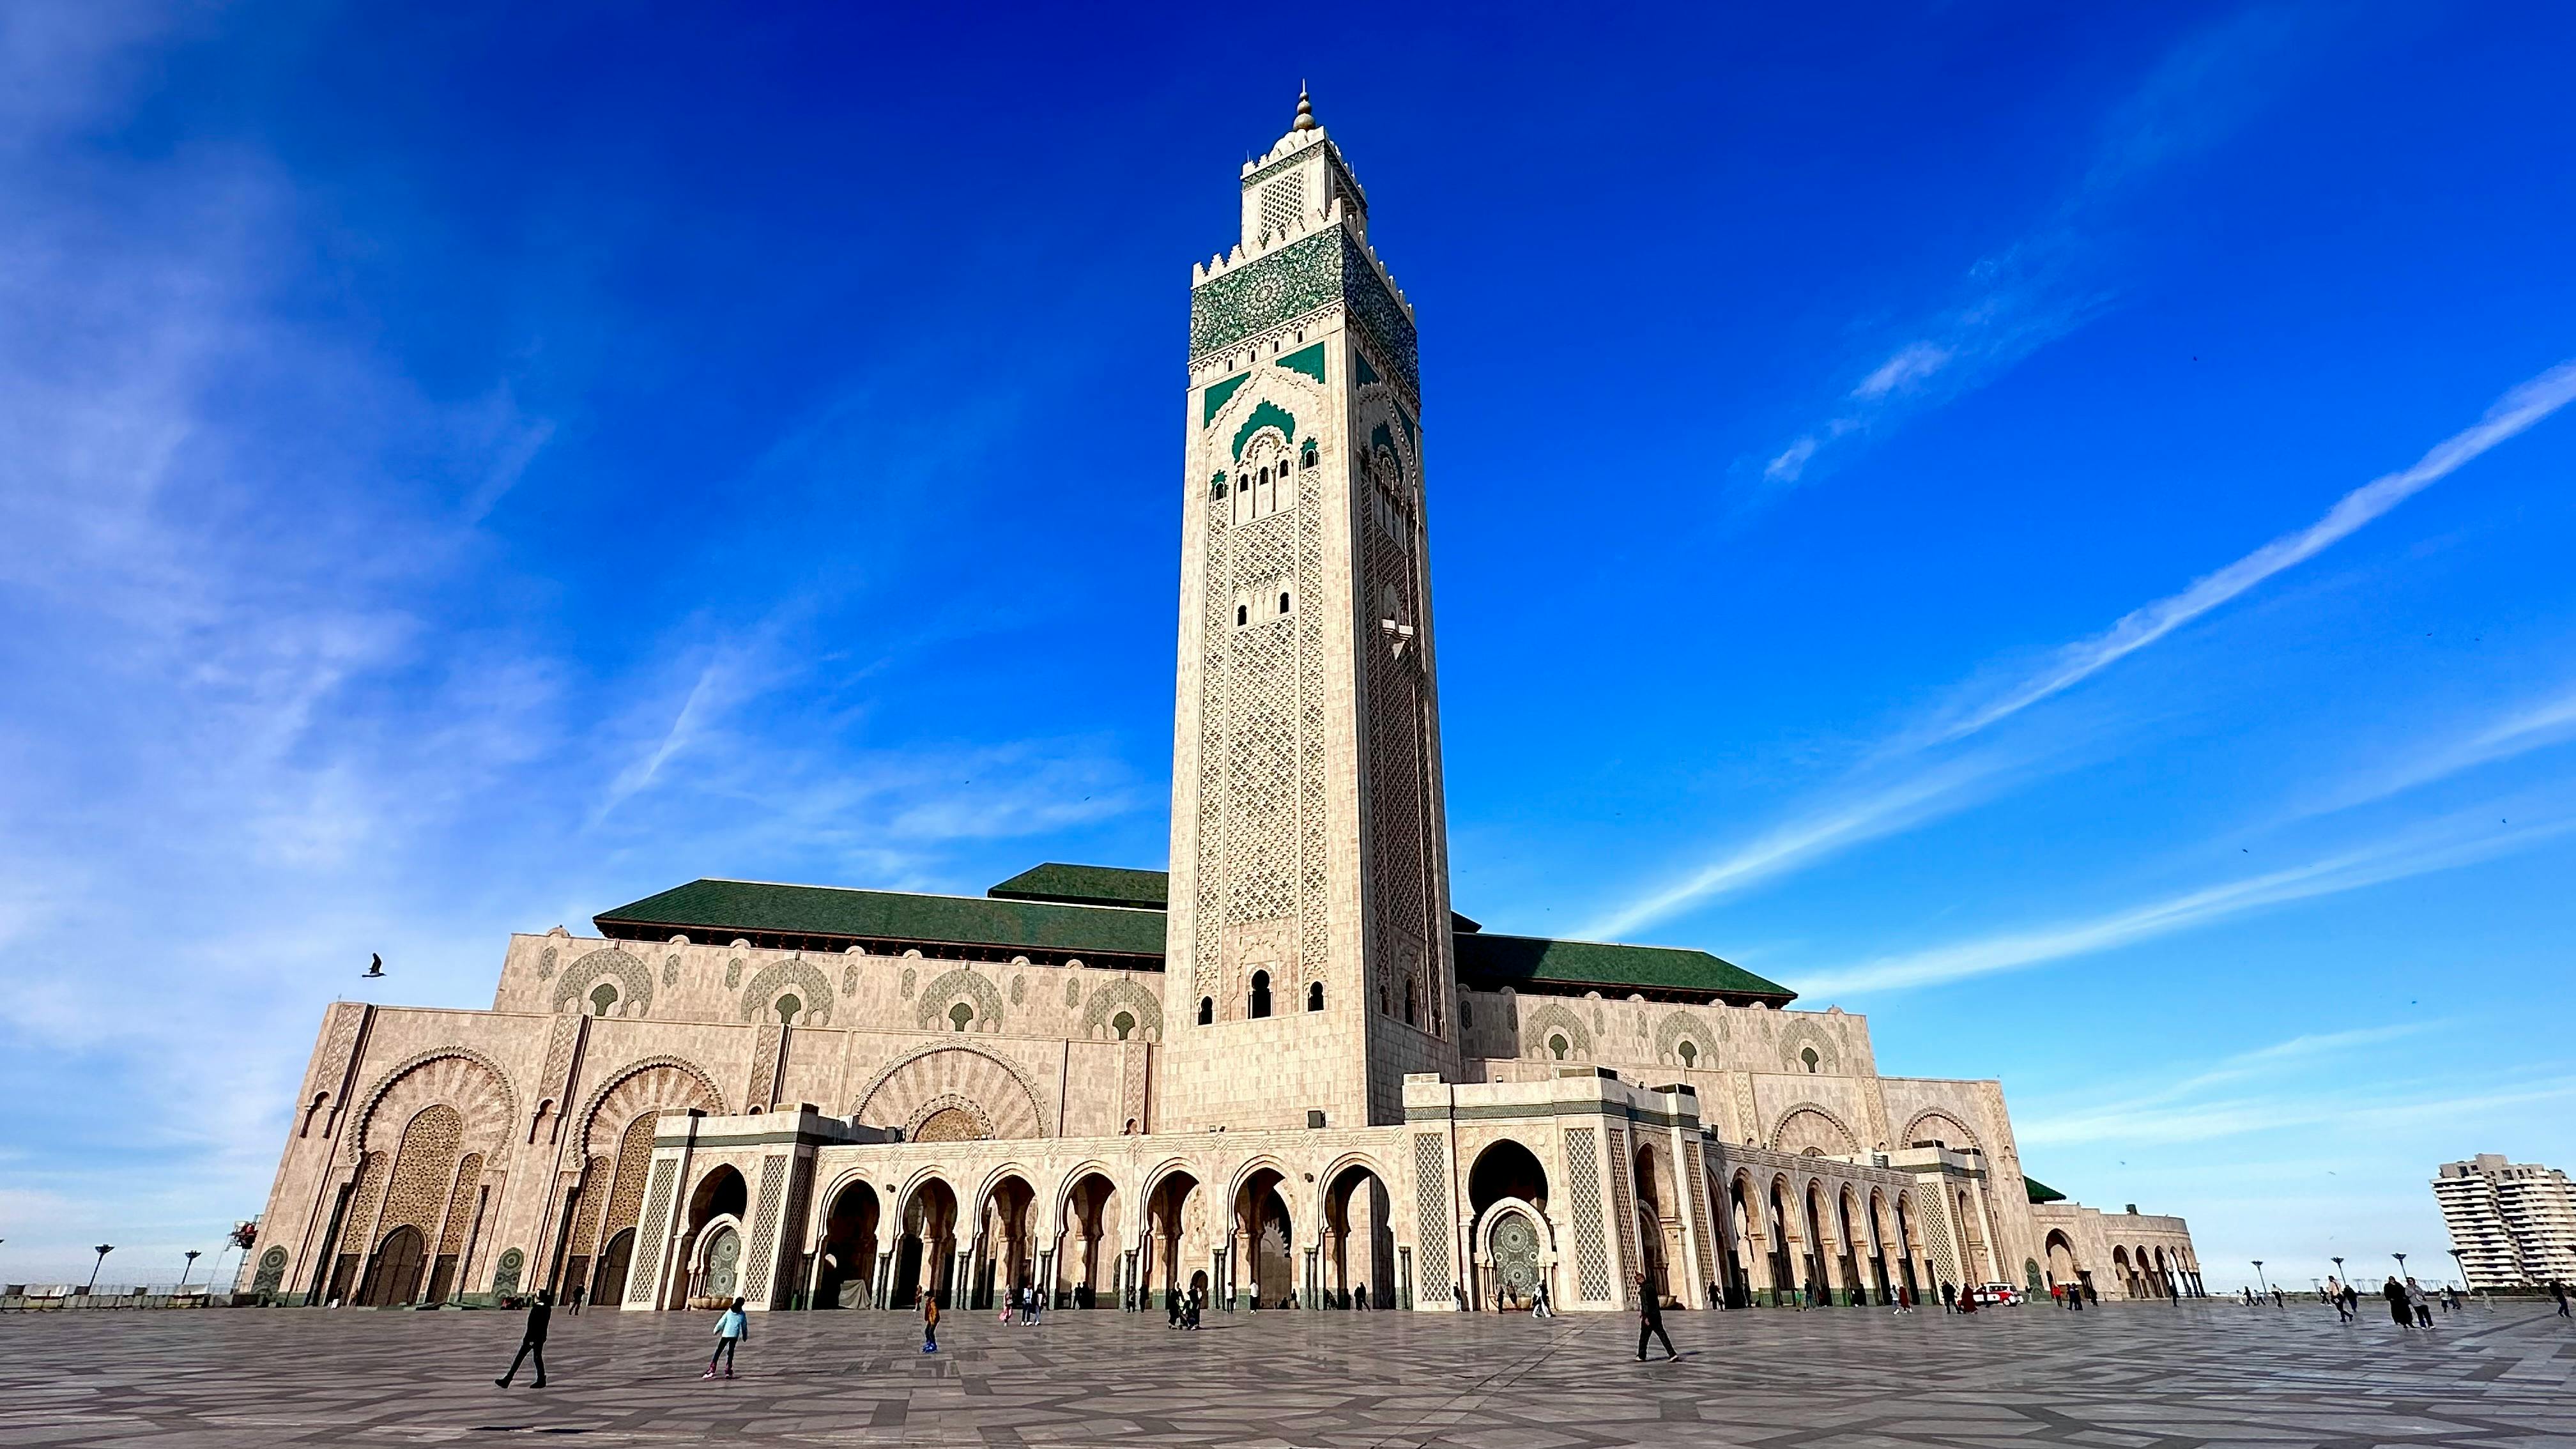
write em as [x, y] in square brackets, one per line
[2398, 1307]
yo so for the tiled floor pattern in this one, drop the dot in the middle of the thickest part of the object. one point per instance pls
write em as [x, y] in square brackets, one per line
[2143, 1377]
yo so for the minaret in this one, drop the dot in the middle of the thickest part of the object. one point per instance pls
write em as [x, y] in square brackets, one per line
[1308, 965]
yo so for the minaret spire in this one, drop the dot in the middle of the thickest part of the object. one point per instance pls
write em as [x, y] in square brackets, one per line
[1305, 110]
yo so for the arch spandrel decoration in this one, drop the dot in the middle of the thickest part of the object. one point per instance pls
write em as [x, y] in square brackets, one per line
[1680, 1026]
[634, 979]
[1124, 995]
[665, 1083]
[902, 1091]
[1934, 1124]
[810, 986]
[1810, 1129]
[1549, 1019]
[930, 1010]
[461, 1077]
[1798, 1037]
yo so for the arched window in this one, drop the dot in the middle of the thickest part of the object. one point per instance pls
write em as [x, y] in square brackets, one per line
[1308, 459]
[1242, 615]
[1556, 1046]
[601, 999]
[1808, 1055]
[1690, 1053]
[960, 1014]
[1260, 994]
[1314, 996]
[1283, 601]
[1408, 1001]
[1207, 1010]
[1123, 1023]
[788, 1007]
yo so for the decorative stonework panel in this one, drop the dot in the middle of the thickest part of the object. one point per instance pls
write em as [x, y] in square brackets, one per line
[272, 1271]
[633, 979]
[1678, 1027]
[766, 1046]
[1583, 1190]
[464, 1080]
[1810, 1130]
[931, 1012]
[809, 985]
[1941, 1127]
[642, 1089]
[1128, 996]
[1622, 1214]
[1545, 1020]
[460, 1204]
[902, 1090]
[1435, 1226]
[764, 1225]
[1803, 1037]
[422, 1167]
[1695, 1183]
[649, 1242]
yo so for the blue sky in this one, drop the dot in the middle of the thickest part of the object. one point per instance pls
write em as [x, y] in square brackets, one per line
[2049, 528]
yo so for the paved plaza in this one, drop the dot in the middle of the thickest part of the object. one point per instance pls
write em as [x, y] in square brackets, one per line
[2148, 1376]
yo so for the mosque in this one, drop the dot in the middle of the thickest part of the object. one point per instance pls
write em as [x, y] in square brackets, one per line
[1286, 1074]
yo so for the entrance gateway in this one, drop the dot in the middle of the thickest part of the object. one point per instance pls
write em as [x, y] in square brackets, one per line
[1287, 1068]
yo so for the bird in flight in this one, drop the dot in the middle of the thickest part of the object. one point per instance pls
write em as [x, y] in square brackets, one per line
[375, 967]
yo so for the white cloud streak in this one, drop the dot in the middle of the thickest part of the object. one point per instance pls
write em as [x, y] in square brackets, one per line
[1851, 816]
[2512, 414]
[2451, 844]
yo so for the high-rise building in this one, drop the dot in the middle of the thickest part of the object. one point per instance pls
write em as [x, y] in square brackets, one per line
[2514, 1223]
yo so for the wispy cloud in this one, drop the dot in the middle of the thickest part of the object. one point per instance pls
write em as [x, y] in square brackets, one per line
[2511, 415]
[2448, 844]
[2537, 727]
[1854, 813]
[2054, 279]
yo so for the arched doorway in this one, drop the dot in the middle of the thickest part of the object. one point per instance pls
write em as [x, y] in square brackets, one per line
[1086, 1262]
[1849, 1240]
[1170, 1245]
[1005, 1241]
[1819, 1287]
[926, 1248]
[1745, 1228]
[1262, 1239]
[845, 1269]
[1512, 1247]
[394, 1276]
[1878, 1239]
[1359, 1240]
[711, 1255]
[608, 1281]
[2061, 1257]
[1784, 1242]
[1506, 1172]
[1654, 1221]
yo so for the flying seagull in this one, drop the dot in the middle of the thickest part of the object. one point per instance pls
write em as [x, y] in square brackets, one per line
[375, 967]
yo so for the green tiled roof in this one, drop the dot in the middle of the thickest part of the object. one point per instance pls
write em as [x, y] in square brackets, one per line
[724, 908]
[2040, 1191]
[1490, 961]
[1087, 885]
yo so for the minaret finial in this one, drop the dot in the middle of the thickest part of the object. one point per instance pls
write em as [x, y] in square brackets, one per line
[1305, 110]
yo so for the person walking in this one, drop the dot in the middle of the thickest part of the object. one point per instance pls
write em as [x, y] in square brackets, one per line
[929, 1321]
[1650, 1323]
[2334, 1295]
[1538, 1301]
[532, 1342]
[731, 1326]
[580, 1291]
[1359, 1299]
[2416, 1300]
[1949, 1296]
[1172, 1308]
[2398, 1308]
[2558, 1290]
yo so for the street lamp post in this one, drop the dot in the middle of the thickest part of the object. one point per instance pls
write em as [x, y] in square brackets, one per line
[2461, 1262]
[102, 1250]
[2258, 1277]
[2401, 1266]
[2339, 1277]
[191, 1255]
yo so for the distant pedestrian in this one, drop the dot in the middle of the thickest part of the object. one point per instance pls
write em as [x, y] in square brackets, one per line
[1650, 1322]
[2558, 1290]
[1359, 1298]
[1538, 1301]
[1949, 1296]
[929, 1321]
[580, 1291]
[2334, 1295]
[532, 1343]
[1172, 1308]
[2422, 1305]
[2398, 1307]
[731, 1326]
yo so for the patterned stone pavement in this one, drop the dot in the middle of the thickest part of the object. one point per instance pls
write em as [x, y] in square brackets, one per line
[2124, 1377]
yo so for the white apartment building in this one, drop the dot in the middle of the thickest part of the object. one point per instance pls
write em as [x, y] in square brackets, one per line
[2513, 1223]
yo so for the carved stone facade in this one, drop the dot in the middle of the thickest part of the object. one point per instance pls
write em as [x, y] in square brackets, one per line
[1285, 1072]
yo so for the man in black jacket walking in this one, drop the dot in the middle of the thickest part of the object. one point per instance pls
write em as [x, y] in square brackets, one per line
[1650, 1322]
[533, 1344]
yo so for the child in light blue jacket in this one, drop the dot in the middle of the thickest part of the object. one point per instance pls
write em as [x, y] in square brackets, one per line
[730, 1330]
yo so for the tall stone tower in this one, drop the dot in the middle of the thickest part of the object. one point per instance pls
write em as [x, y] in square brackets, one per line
[1308, 966]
